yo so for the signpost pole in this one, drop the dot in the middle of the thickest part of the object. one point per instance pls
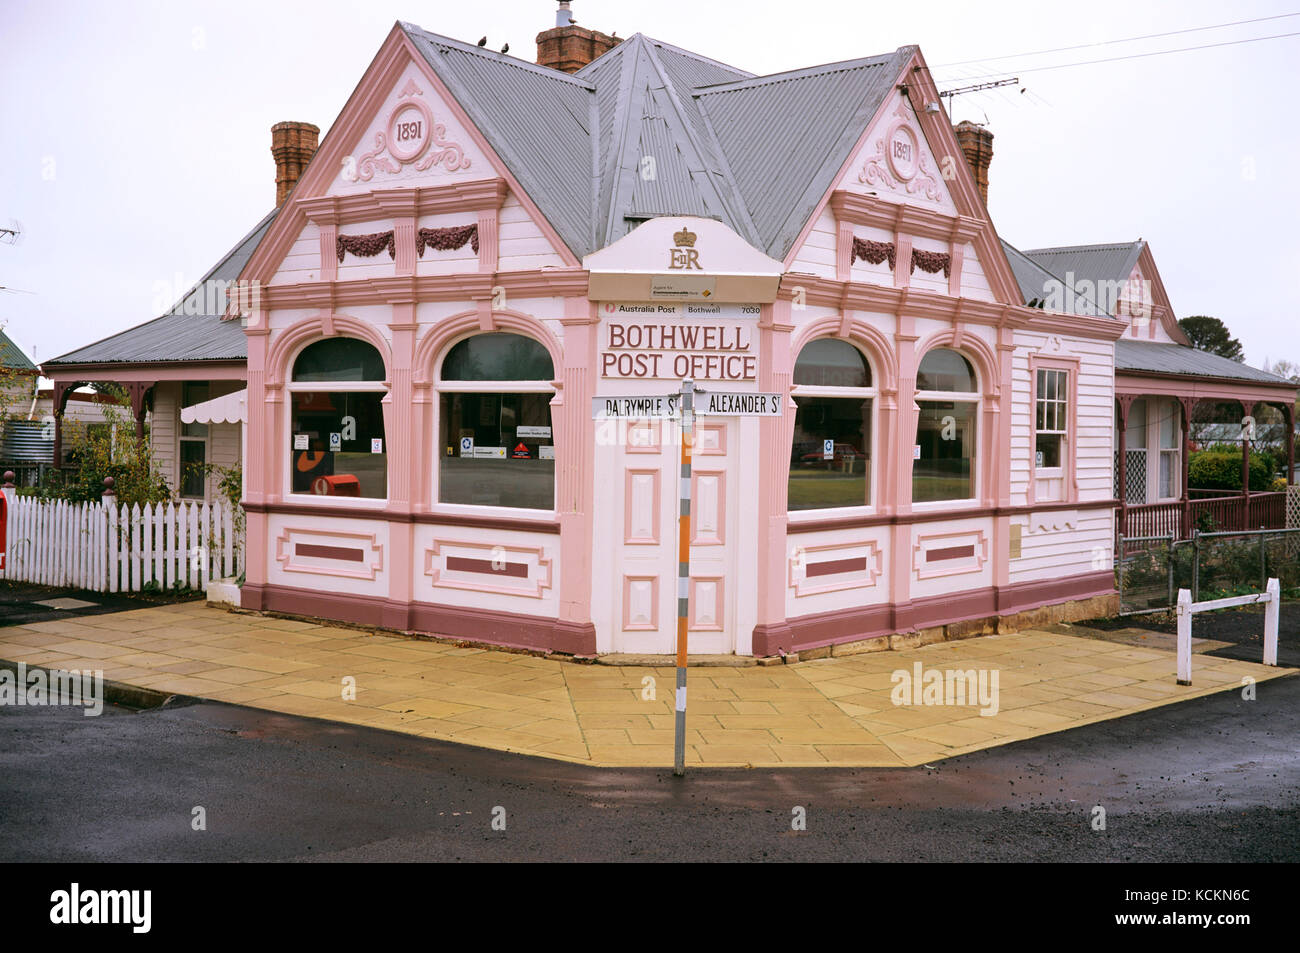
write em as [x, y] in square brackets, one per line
[683, 574]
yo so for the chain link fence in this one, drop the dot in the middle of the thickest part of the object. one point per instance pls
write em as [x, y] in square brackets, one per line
[1149, 570]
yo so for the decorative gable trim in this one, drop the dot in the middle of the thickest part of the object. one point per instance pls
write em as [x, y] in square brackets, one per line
[394, 56]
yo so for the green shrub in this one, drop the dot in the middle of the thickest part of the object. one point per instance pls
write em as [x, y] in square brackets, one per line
[1215, 470]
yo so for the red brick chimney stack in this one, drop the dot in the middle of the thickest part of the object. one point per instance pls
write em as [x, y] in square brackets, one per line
[292, 144]
[570, 47]
[977, 144]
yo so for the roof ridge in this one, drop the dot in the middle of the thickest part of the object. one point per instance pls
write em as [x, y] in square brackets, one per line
[1084, 247]
[739, 212]
[802, 72]
[497, 57]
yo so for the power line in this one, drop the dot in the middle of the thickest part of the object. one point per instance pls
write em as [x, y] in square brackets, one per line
[1127, 39]
[1138, 56]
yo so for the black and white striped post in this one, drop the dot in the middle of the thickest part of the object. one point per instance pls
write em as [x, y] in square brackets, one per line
[687, 432]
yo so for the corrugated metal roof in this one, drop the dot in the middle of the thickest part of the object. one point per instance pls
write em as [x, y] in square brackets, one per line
[785, 136]
[11, 355]
[1160, 358]
[191, 331]
[1090, 262]
[1035, 283]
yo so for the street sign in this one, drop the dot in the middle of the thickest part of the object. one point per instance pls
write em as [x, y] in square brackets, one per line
[720, 404]
[653, 407]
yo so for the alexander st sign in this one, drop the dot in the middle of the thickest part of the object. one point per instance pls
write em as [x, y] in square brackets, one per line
[669, 406]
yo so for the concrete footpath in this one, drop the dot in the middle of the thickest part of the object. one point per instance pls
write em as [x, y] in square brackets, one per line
[832, 711]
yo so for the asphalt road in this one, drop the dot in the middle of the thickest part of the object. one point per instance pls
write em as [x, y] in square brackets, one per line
[1215, 778]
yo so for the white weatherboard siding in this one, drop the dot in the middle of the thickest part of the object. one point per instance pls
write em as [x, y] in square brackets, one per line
[302, 263]
[522, 244]
[817, 254]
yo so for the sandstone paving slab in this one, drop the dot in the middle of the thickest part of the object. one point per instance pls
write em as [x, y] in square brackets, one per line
[837, 710]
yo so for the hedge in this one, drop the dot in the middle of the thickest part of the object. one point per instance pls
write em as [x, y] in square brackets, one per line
[1215, 470]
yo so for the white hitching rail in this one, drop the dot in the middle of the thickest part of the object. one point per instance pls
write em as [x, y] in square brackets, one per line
[1271, 597]
[107, 547]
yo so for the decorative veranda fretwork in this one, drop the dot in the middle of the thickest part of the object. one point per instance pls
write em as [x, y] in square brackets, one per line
[365, 246]
[932, 261]
[873, 252]
[1137, 477]
[446, 239]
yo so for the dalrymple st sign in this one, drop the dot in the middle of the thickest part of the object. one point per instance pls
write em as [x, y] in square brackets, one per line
[703, 342]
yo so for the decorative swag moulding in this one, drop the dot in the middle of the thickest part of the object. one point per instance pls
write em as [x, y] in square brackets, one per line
[439, 239]
[874, 252]
[932, 261]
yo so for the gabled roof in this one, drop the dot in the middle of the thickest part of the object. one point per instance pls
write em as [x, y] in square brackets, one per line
[1156, 357]
[1034, 281]
[192, 330]
[757, 153]
[785, 136]
[1114, 262]
[12, 356]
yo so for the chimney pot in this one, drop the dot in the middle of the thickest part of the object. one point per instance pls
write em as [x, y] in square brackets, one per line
[292, 146]
[977, 145]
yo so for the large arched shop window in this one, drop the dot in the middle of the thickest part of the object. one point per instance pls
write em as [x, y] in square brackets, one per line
[830, 459]
[947, 428]
[337, 442]
[494, 418]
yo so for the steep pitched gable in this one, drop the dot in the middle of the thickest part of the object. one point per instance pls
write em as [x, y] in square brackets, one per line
[1115, 265]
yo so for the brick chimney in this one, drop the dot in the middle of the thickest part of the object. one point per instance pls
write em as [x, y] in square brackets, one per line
[292, 144]
[977, 143]
[570, 47]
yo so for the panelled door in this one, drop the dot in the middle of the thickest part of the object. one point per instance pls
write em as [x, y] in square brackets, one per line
[644, 494]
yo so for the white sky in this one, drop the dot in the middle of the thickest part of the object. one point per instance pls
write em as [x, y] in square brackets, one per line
[135, 144]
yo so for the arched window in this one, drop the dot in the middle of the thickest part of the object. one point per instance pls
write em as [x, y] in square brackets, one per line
[830, 459]
[337, 444]
[947, 428]
[497, 445]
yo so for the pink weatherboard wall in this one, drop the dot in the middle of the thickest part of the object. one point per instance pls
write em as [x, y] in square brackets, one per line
[597, 572]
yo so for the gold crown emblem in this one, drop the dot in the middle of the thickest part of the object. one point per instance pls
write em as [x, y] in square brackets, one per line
[685, 238]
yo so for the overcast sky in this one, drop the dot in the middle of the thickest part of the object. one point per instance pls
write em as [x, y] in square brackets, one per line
[135, 143]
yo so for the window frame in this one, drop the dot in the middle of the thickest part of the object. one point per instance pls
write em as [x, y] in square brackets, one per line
[182, 438]
[871, 393]
[1068, 471]
[292, 387]
[976, 397]
[440, 387]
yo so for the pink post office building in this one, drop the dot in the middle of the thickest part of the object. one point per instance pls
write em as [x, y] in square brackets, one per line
[482, 248]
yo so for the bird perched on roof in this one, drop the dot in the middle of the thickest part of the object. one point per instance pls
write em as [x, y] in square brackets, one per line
[506, 48]
[483, 42]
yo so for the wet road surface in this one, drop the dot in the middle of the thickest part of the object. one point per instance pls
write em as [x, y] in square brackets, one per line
[1216, 778]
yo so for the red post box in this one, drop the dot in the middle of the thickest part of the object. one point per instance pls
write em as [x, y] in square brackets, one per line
[343, 484]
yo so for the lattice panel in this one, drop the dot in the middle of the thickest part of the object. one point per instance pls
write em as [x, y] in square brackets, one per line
[1293, 507]
[1137, 477]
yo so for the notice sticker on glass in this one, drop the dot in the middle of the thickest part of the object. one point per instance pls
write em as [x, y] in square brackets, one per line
[376, 444]
[828, 449]
[916, 452]
[526, 431]
[546, 453]
[336, 442]
[300, 441]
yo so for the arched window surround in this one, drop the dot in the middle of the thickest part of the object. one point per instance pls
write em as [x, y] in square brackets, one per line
[985, 398]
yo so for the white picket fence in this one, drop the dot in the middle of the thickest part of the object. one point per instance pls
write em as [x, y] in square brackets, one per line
[106, 547]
